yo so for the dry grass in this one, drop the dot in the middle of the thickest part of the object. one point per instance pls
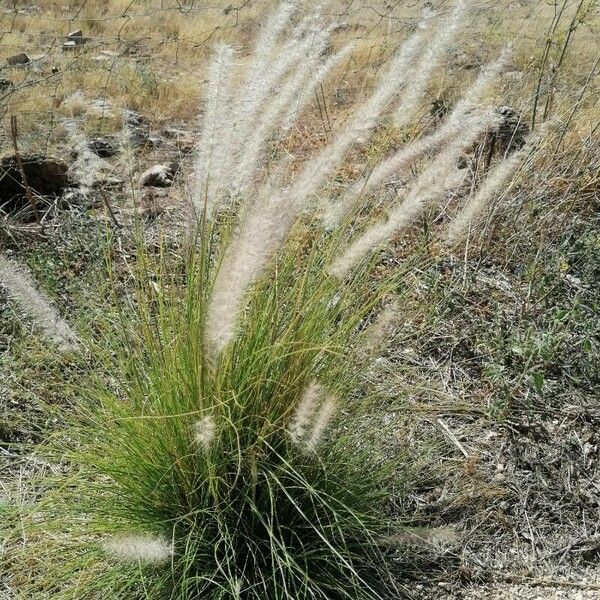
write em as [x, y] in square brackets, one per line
[491, 336]
[151, 55]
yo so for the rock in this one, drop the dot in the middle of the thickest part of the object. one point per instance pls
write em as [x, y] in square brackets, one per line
[508, 136]
[73, 40]
[158, 176]
[74, 197]
[76, 36]
[186, 143]
[184, 140]
[134, 119]
[139, 130]
[141, 139]
[103, 146]
[512, 130]
[69, 45]
[18, 59]
[45, 176]
[108, 182]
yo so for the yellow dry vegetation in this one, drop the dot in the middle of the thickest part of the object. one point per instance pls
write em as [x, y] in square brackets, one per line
[151, 55]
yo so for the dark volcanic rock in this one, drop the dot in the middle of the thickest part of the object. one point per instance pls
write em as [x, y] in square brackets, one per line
[512, 131]
[104, 147]
[18, 59]
[45, 176]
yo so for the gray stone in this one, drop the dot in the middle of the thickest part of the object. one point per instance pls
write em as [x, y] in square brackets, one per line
[18, 59]
[74, 197]
[75, 38]
[158, 176]
[103, 146]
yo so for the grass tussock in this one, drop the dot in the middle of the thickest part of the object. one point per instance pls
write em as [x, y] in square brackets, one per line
[219, 453]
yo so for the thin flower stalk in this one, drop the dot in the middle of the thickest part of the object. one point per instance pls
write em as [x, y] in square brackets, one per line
[307, 92]
[266, 44]
[258, 237]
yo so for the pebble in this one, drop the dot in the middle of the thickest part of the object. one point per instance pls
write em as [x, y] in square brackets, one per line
[526, 592]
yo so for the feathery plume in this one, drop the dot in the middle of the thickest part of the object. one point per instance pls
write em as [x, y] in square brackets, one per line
[314, 174]
[441, 175]
[380, 329]
[21, 287]
[139, 548]
[204, 431]
[495, 181]
[322, 420]
[267, 223]
[271, 121]
[266, 43]
[211, 160]
[453, 127]
[312, 177]
[304, 412]
[265, 76]
[263, 226]
[421, 73]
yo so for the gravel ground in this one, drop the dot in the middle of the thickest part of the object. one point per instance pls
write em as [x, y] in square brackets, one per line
[526, 592]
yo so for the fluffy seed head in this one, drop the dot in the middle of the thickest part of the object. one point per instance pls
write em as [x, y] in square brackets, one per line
[21, 287]
[139, 548]
[205, 431]
[305, 412]
[436, 180]
[321, 422]
[493, 184]
[381, 328]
